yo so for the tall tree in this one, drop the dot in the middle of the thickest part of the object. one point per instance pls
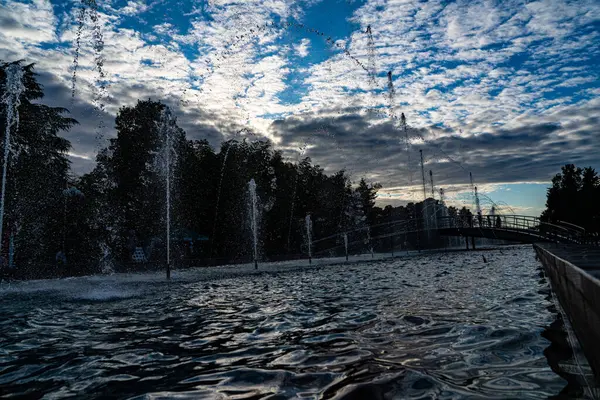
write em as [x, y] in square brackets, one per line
[133, 165]
[573, 198]
[37, 172]
[368, 194]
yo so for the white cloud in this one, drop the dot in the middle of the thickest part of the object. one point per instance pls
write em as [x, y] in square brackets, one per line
[163, 29]
[452, 65]
[134, 7]
[303, 47]
[572, 82]
[27, 23]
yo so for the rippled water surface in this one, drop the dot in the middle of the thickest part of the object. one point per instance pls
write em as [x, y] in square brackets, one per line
[436, 326]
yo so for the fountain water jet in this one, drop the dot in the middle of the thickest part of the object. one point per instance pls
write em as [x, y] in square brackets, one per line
[218, 199]
[219, 189]
[302, 152]
[12, 100]
[166, 128]
[369, 240]
[254, 219]
[292, 210]
[106, 262]
[90, 8]
[308, 222]
[80, 23]
[346, 244]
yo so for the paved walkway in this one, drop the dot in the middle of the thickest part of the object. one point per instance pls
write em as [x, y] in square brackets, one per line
[582, 256]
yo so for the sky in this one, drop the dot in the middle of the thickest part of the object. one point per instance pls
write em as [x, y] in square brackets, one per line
[508, 91]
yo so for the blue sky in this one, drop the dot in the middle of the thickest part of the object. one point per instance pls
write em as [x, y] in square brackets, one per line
[507, 90]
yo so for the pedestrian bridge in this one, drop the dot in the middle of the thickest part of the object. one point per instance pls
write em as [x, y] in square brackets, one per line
[513, 228]
[517, 228]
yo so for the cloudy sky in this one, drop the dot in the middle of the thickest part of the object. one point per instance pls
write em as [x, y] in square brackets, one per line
[508, 90]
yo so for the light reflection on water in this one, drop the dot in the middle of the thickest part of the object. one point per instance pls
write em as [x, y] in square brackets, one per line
[436, 326]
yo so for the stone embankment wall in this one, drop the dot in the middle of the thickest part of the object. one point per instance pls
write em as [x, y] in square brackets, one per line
[579, 294]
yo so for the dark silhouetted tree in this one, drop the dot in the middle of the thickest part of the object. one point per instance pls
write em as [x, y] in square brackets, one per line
[37, 174]
[574, 197]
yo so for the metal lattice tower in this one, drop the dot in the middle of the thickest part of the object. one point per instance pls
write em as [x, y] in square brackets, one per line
[432, 188]
[423, 173]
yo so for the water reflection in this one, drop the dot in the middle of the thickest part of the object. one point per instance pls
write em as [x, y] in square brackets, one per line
[437, 326]
[559, 352]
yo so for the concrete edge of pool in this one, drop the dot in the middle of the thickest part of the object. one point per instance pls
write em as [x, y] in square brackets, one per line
[574, 273]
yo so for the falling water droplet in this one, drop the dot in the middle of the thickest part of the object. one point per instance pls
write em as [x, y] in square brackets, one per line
[11, 99]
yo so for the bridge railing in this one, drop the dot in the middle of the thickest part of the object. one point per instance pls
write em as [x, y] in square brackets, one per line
[365, 237]
[490, 221]
[520, 223]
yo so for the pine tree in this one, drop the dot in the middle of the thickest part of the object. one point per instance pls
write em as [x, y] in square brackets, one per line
[37, 174]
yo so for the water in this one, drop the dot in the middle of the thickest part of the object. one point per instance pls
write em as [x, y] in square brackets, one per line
[219, 196]
[253, 220]
[370, 243]
[167, 126]
[346, 245]
[80, 24]
[11, 100]
[302, 151]
[219, 188]
[106, 262]
[441, 325]
[292, 210]
[308, 223]
[90, 8]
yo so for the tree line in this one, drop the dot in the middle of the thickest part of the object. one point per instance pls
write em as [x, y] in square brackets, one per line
[120, 206]
[574, 197]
